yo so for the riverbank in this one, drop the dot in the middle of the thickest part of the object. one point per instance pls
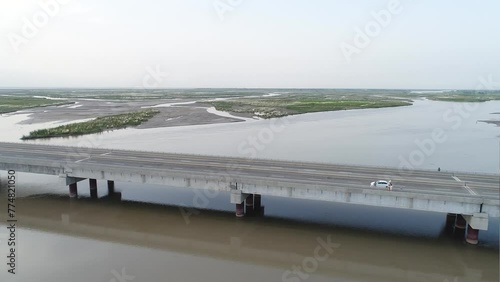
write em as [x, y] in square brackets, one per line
[463, 96]
[495, 122]
[97, 125]
[9, 104]
[185, 107]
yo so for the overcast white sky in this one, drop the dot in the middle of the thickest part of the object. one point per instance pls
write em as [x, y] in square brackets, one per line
[258, 43]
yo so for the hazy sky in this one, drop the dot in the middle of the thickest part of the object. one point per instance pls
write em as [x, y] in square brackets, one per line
[249, 43]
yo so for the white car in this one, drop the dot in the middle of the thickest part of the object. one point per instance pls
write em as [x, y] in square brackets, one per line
[381, 183]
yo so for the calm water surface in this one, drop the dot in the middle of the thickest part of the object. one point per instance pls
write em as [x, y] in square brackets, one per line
[381, 137]
[146, 235]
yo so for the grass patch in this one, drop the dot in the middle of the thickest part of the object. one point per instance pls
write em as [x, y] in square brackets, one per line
[11, 104]
[97, 125]
[279, 107]
[337, 105]
[464, 98]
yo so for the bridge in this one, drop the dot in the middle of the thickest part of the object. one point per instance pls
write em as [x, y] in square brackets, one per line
[467, 199]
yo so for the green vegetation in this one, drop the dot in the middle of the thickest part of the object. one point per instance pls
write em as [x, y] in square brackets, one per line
[464, 98]
[332, 105]
[97, 125]
[11, 104]
[279, 107]
[256, 101]
[127, 95]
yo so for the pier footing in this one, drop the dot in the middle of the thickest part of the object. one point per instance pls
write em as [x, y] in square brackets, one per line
[240, 210]
[460, 222]
[472, 235]
[93, 188]
[73, 190]
[249, 201]
[257, 205]
[111, 187]
[450, 223]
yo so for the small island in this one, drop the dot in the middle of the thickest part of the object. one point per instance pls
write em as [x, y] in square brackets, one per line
[465, 96]
[283, 106]
[97, 125]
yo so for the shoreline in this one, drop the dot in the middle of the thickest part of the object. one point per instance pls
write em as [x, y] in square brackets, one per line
[172, 112]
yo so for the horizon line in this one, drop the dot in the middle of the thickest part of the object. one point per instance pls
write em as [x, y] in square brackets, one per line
[241, 88]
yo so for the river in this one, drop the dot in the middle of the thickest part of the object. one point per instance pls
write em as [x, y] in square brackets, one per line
[147, 237]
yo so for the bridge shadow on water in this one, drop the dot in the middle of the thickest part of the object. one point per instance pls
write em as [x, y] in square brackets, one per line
[397, 222]
[391, 244]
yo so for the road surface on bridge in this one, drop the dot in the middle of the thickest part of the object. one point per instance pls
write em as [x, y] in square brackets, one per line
[334, 175]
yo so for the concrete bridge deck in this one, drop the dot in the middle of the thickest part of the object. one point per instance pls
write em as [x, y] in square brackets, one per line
[440, 183]
[474, 195]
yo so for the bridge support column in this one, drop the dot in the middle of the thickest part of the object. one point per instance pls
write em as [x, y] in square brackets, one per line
[475, 222]
[257, 202]
[117, 196]
[472, 235]
[257, 205]
[460, 223]
[111, 187]
[240, 210]
[238, 198]
[450, 222]
[73, 190]
[93, 188]
[249, 201]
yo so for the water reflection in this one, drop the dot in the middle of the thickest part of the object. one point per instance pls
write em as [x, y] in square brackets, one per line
[260, 242]
[83, 240]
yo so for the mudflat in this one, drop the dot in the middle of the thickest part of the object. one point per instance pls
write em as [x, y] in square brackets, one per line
[175, 115]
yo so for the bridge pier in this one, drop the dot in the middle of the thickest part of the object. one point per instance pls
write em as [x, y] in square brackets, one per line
[472, 235]
[73, 190]
[450, 222]
[257, 202]
[240, 210]
[93, 188]
[111, 187]
[249, 201]
[257, 205]
[238, 198]
[116, 196]
[461, 222]
[247, 204]
[475, 222]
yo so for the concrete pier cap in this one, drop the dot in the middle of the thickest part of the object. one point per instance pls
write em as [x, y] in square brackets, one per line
[237, 197]
[478, 221]
[71, 180]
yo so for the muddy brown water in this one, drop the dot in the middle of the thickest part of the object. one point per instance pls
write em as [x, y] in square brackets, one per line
[145, 236]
